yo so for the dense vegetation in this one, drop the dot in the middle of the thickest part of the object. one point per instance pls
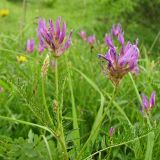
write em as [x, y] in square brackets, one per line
[41, 119]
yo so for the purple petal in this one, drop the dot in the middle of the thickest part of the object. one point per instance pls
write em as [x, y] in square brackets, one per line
[111, 131]
[107, 58]
[91, 39]
[58, 27]
[68, 42]
[144, 101]
[131, 53]
[109, 41]
[121, 39]
[116, 30]
[51, 26]
[63, 33]
[82, 34]
[30, 45]
[126, 48]
[41, 23]
[152, 99]
[113, 55]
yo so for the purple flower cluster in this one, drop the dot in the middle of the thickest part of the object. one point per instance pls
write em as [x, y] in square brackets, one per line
[120, 64]
[52, 38]
[116, 30]
[148, 105]
[90, 39]
[30, 45]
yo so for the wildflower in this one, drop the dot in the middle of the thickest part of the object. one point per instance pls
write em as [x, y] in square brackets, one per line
[91, 40]
[52, 38]
[111, 131]
[82, 34]
[116, 30]
[148, 105]
[21, 59]
[4, 12]
[30, 45]
[120, 64]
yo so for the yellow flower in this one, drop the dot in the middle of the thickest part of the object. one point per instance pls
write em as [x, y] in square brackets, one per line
[4, 12]
[21, 59]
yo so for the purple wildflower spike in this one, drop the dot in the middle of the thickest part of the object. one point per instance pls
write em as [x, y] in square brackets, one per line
[53, 38]
[148, 105]
[111, 131]
[116, 30]
[120, 64]
[30, 45]
[82, 34]
[152, 100]
[91, 40]
[145, 101]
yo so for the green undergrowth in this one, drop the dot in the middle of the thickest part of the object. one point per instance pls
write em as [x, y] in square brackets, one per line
[26, 131]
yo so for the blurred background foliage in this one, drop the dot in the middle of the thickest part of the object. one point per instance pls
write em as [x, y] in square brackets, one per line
[138, 18]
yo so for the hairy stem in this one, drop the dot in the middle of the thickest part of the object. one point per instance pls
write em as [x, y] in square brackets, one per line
[44, 101]
[61, 136]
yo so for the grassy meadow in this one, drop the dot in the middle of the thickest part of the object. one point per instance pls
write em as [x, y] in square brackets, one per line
[64, 108]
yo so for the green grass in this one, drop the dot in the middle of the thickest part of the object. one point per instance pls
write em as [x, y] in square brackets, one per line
[62, 115]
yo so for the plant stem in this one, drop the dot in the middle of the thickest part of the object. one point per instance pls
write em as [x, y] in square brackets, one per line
[29, 124]
[47, 146]
[57, 91]
[63, 145]
[44, 101]
[61, 137]
[96, 128]
[56, 77]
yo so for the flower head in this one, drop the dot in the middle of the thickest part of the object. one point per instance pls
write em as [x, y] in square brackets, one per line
[91, 40]
[82, 34]
[4, 12]
[120, 64]
[116, 30]
[53, 37]
[30, 45]
[148, 105]
[21, 59]
[111, 131]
